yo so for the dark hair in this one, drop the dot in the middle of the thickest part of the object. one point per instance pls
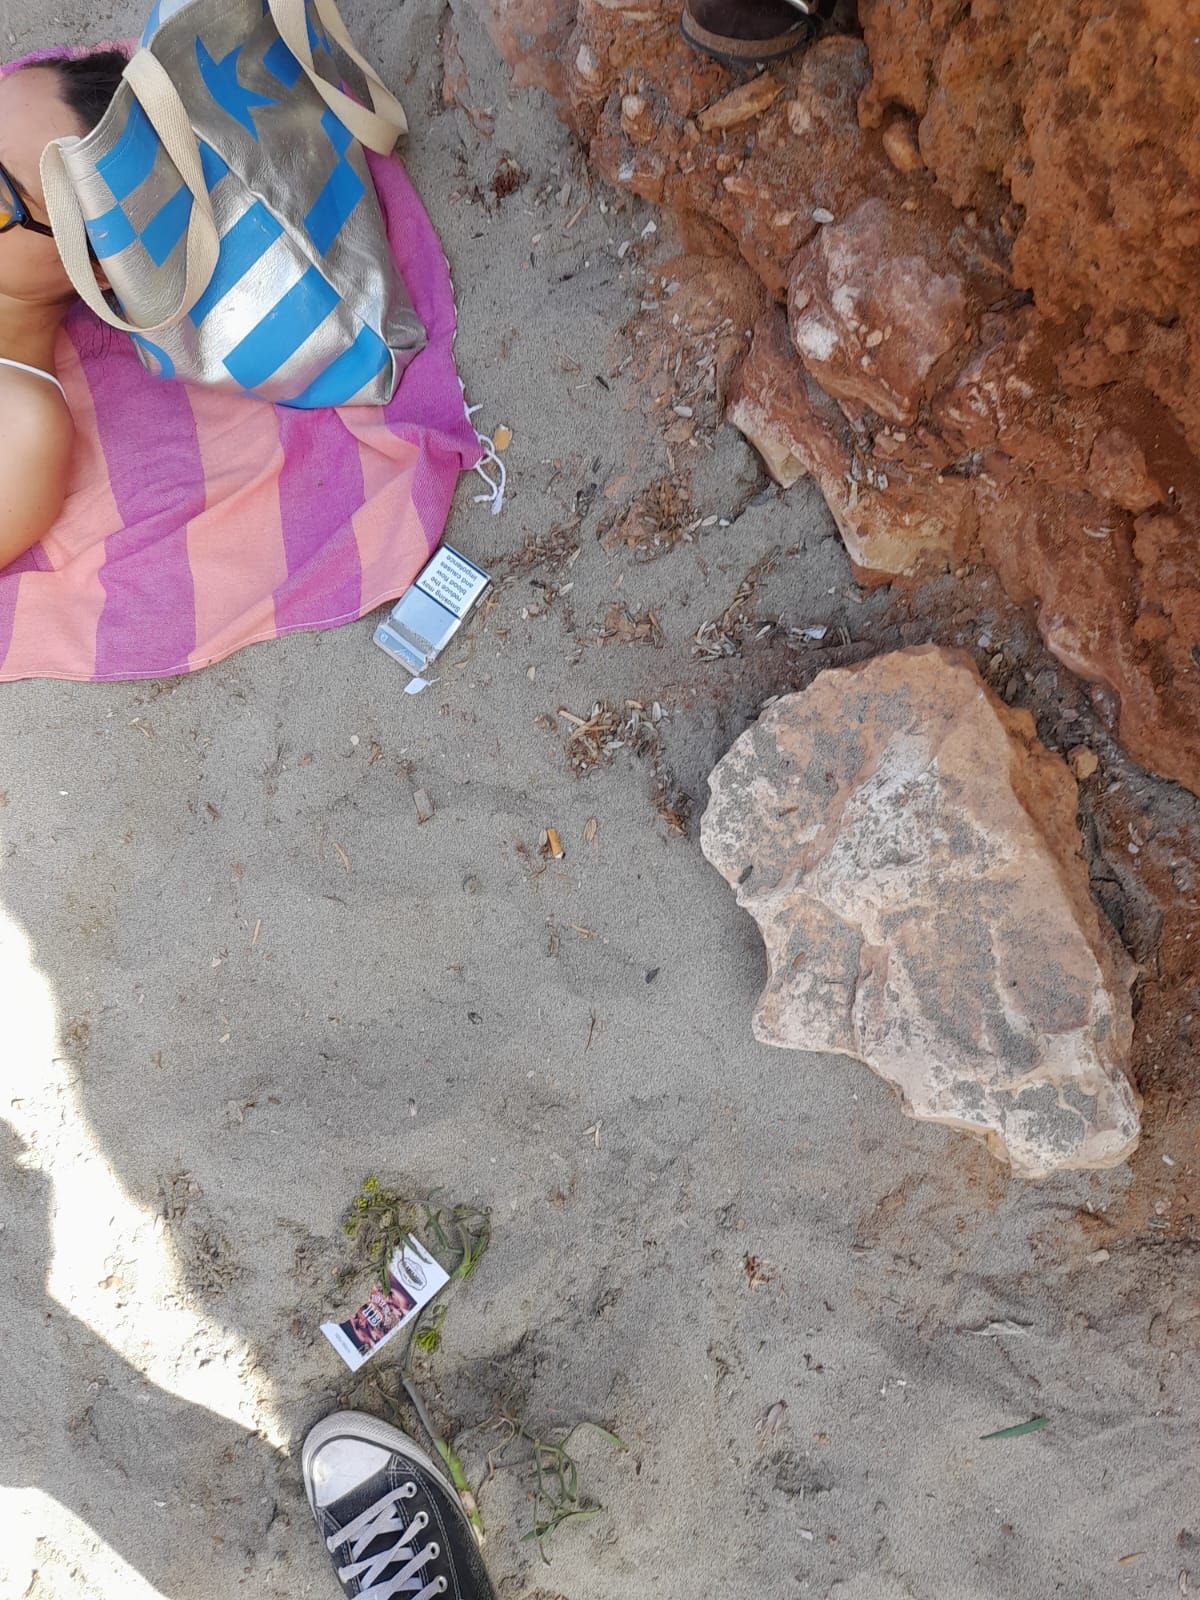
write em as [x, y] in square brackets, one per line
[90, 82]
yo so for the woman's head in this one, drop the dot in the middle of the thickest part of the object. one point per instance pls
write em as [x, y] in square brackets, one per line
[38, 104]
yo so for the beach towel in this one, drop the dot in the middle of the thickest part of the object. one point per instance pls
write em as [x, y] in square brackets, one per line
[198, 522]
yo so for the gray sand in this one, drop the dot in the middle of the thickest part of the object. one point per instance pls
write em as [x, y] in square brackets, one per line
[191, 1108]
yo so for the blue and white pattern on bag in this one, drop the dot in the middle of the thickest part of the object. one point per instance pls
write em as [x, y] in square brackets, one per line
[222, 82]
[125, 168]
[343, 189]
[281, 332]
[163, 11]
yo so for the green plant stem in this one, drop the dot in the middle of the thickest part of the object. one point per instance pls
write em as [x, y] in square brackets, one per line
[449, 1456]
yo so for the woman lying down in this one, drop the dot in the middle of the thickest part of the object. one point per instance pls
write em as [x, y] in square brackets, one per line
[38, 104]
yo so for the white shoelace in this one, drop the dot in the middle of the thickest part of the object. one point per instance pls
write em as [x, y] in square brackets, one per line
[380, 1519]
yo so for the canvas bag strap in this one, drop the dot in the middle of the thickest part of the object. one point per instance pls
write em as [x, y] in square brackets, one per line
[378, 129]
[151, 84]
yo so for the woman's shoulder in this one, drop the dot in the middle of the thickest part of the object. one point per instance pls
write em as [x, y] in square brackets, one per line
[34, 416]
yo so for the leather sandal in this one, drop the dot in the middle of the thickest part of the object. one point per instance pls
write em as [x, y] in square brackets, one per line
[740, 32]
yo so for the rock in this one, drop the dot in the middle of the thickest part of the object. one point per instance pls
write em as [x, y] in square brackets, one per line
[1044, 164]
[1089, 119]
[532, 37]
[1118, 603]
[910, 853]
[893, 517]
[871, 315]
[797, 146]
[900, 143]
[1117, 470]
[740, 105]
[996, 399]
[1084, 762]
[769, 403]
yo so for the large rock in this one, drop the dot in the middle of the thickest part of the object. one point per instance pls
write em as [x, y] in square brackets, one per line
[910, 853]
[873, 317]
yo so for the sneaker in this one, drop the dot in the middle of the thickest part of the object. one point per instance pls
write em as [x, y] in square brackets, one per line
[741, 32]
[391, 1520]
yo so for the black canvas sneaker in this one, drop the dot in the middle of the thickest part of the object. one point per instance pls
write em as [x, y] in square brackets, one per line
[391, 1520]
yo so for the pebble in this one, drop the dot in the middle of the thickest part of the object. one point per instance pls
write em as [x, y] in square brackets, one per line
[1084, 762]
[821, 215]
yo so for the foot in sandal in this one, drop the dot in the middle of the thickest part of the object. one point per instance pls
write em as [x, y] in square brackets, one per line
[742, 32]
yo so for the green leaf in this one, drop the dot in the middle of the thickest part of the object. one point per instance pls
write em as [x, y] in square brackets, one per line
[1032, 1426]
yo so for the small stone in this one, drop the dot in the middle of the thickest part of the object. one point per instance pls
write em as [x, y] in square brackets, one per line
[1118, 471]
[424, 806]
[820, 214]
[900, 143]
[910, 853]
[1084, 762]
[740, 105]
[1098, 1257]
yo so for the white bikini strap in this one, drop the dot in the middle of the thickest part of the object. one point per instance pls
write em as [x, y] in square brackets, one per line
[36, 371]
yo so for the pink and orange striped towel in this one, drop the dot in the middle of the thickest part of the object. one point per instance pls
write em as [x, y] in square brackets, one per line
[199, 522]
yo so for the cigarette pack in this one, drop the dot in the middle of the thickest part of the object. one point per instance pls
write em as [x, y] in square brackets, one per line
[426, 618]
[413, 1278]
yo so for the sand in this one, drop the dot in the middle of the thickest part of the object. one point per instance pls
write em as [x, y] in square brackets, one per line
[238, 976]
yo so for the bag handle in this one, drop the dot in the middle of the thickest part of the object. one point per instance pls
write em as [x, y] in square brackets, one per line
[379, 129]
[152, 88]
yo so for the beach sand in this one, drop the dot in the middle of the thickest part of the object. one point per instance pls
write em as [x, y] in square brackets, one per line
[239, 976]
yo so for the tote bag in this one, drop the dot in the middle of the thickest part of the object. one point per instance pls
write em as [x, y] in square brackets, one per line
[226, 199]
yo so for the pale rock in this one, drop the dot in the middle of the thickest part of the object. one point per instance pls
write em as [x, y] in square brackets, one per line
[900, 143]
[1085, 763]
[741, 104]
[768, 405]
[910, 853]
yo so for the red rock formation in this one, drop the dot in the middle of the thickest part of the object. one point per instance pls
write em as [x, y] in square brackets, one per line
[1013, 190]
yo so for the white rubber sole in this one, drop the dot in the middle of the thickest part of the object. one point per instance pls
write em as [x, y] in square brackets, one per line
[357, 1425]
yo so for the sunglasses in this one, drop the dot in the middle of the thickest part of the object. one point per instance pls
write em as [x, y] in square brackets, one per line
[14, 213]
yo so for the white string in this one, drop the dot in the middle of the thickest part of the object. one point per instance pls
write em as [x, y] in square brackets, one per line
[497, 486]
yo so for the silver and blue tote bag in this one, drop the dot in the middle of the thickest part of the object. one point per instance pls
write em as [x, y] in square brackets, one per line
[227, 201]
